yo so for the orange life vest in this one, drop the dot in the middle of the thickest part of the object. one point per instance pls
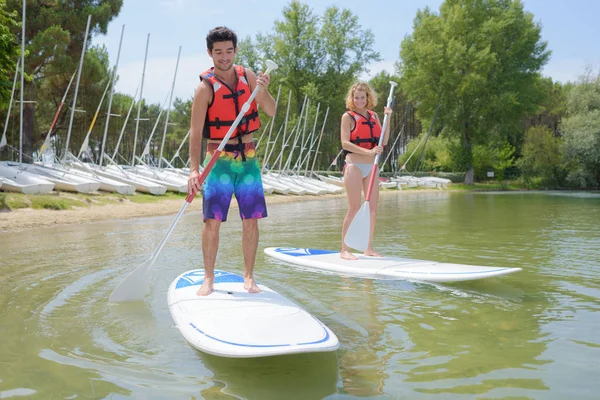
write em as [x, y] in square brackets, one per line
[226, 105]
[366, 132]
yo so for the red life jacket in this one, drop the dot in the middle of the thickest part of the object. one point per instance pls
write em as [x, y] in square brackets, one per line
[227, 104]
[366, 132]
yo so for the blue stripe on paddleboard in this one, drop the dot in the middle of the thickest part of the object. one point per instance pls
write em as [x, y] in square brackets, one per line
[262, 345]
[462, 273]
[195, 278]
[300, 252]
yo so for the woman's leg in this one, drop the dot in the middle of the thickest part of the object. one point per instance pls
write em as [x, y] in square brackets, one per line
[353, 183]
[373, 201]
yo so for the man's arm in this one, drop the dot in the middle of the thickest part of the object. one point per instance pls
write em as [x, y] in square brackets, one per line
[202, 98]
[263, 98]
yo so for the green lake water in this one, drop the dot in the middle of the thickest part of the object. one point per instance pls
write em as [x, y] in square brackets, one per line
[529, 335]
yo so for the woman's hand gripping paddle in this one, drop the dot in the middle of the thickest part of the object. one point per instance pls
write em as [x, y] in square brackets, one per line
[359, 231]
[135, 285]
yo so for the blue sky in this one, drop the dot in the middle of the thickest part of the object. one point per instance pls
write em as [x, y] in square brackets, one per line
[569, 27]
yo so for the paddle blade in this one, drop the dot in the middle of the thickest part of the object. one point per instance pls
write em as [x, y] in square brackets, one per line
[359, 230]
[135, 286]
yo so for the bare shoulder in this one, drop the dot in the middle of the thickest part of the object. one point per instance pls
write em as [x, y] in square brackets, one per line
[251, 77]
[203, 93]
[346, 118]
[347, 123]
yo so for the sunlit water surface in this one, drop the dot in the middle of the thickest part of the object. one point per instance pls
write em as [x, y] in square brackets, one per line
[533, 334]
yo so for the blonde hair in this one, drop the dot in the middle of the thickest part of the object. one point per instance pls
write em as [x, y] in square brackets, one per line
[363, 87]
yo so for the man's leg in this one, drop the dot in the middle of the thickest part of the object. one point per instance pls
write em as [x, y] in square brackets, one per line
[210, 246]
[250, 196]
[249, 247]
[216, 196]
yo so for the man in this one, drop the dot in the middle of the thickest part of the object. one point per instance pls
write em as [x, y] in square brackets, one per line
[219, 98]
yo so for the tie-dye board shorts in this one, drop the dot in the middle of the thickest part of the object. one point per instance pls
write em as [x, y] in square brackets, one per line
[230, 175]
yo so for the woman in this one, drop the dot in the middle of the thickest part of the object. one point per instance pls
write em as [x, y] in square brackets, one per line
[360, 132]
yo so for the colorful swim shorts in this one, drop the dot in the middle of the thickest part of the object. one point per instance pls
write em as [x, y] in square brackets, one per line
[231, 175]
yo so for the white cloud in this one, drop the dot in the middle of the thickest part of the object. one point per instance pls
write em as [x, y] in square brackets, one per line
[568, 70]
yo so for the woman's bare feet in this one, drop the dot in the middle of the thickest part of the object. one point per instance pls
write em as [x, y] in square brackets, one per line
[207, 287]
[372, 253]
[251, 286]
[346, 255]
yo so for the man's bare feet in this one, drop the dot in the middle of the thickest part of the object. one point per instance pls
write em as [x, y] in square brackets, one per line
[207, 287]
[346, 255]
[372, 253]
[251, 286]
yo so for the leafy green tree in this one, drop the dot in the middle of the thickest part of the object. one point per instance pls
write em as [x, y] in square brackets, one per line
[542, 158]
[581, 130]
[318, 57]
[8, 53]
[248, 54]
[551, 108]
[479, 60]
[347, 50]
[295, 47]
[54, 39]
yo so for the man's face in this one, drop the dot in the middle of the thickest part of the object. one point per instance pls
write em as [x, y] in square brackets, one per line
[223, 55]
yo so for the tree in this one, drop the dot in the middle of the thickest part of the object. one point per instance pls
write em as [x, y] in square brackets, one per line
[347, 51]
[542, 158]
[248, 54]
[8, 53]
[581, 131]
[318, 57]
[479, 60]
[54, 39]
[296, 48]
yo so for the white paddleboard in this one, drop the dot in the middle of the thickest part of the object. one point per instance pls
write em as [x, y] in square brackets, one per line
[384, 267]
[230, 322]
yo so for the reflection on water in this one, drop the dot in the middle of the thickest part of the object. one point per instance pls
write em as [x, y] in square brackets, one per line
[527, 335]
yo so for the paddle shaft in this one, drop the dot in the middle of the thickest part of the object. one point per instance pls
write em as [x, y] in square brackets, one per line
[383, 128]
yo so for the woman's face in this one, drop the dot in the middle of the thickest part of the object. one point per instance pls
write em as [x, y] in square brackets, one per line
[360, 99]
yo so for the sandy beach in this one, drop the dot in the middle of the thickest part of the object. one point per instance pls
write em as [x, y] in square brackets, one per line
[29, 218]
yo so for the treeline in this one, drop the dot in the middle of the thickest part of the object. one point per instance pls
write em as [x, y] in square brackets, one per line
[471, 97]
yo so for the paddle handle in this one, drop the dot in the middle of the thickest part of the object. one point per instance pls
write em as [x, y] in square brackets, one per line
[383, 128]
[213, 159]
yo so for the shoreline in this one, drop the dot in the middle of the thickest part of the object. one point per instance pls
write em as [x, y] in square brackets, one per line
[109, 207]
[22, 219]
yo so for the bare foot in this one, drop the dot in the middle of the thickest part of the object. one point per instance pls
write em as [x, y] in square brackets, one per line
[372, 253]
[207, 287]
[346, 255]
[251, 286]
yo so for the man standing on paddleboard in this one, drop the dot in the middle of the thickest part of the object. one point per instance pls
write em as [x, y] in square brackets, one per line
[219, 98]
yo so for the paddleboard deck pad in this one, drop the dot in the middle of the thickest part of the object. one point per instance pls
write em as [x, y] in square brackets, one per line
[384, 267]
[230, 322]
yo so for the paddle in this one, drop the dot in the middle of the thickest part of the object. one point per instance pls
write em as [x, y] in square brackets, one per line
[135, 285]
[359, 230]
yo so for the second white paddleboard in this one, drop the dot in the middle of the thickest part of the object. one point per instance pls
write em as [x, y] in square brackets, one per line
[385, 267]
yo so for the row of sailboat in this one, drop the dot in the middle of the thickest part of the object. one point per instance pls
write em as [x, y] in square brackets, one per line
[290, 173]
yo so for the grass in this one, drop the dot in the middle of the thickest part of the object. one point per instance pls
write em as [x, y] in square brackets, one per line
[489, 185]
[68, 201]
[142, 198]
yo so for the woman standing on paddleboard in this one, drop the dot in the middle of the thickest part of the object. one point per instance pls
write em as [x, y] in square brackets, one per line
[360, 133]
